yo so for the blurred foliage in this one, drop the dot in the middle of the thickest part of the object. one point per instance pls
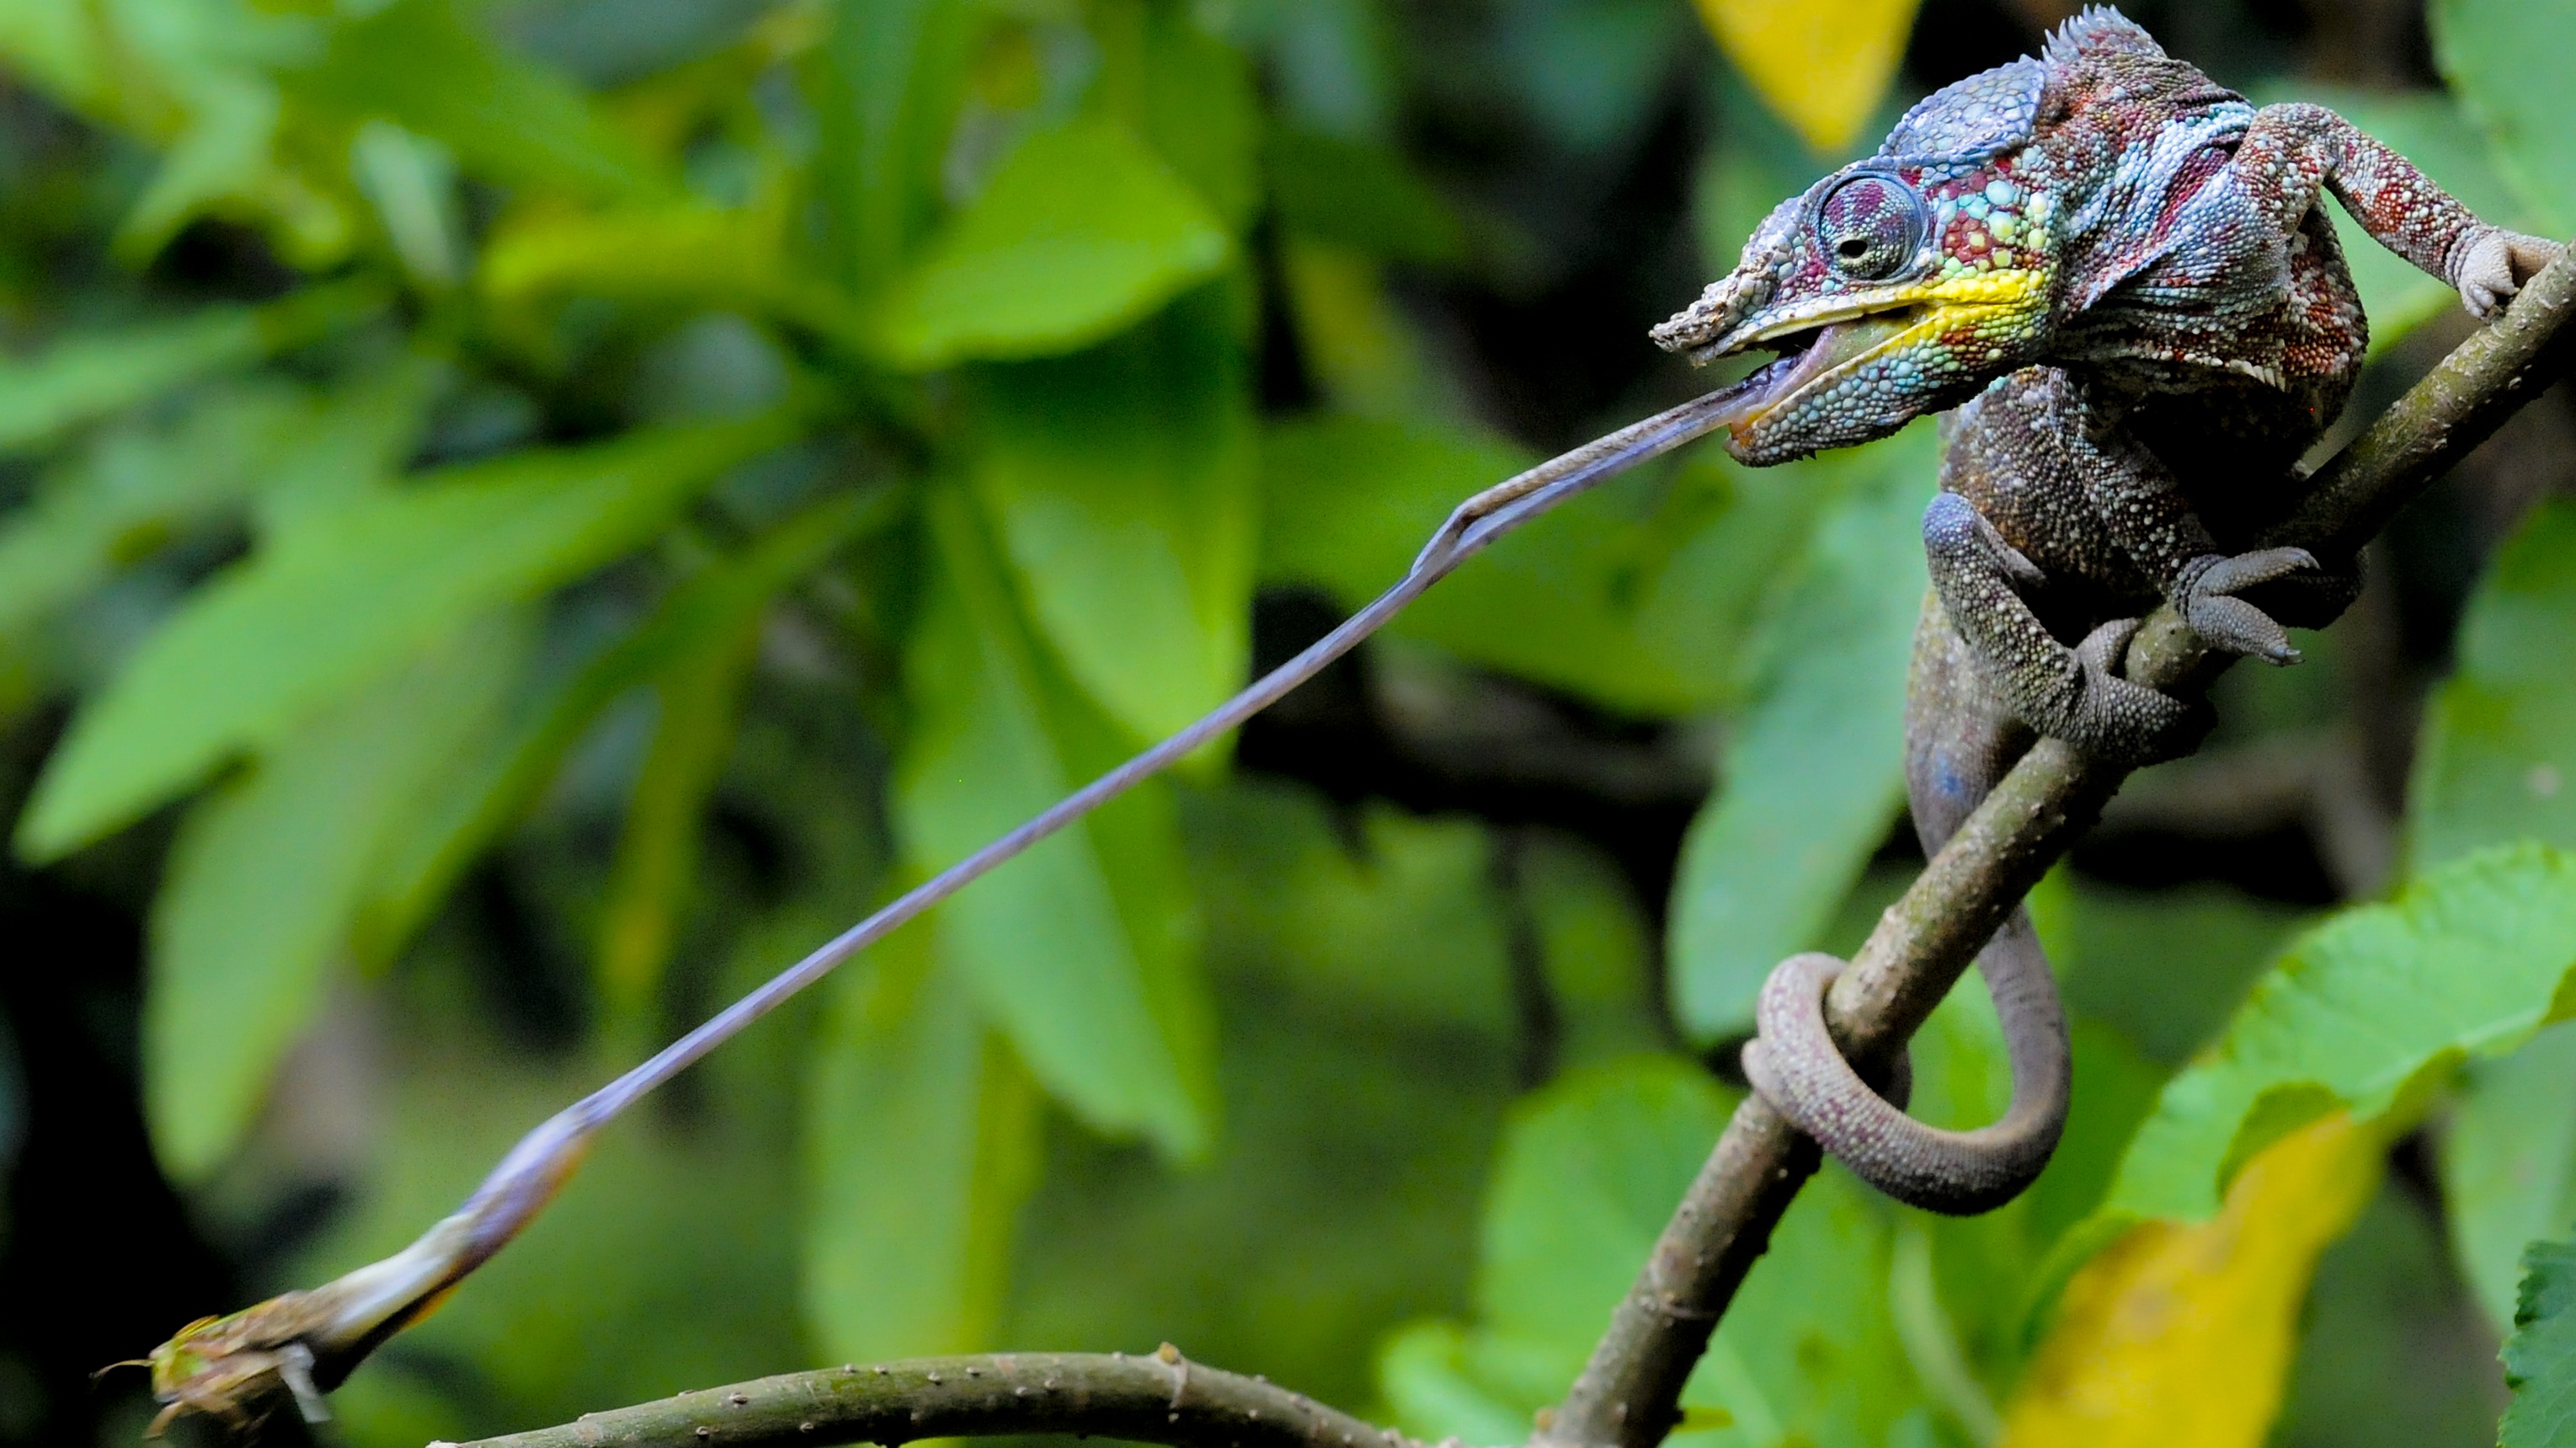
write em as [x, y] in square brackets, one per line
[520, 517]
[2537, 1359]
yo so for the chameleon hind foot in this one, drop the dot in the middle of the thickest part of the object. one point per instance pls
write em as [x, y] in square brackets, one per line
[1795, 1066]
[2205, 596]
[2087, 703]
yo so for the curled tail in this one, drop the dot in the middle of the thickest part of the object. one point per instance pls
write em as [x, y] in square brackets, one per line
[1796, 1067]
[1959, 740]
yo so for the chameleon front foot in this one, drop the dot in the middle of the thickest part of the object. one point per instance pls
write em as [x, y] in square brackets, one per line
[1795, 1066]
[2490, 267]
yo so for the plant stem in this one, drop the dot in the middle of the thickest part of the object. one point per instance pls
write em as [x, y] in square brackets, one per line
[1159, 1398]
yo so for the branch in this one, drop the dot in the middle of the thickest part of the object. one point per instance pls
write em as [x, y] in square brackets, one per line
[1164, 1398]
[1629, 1394]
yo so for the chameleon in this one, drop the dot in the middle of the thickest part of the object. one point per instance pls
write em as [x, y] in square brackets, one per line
[2114, 271]
[2115, 280]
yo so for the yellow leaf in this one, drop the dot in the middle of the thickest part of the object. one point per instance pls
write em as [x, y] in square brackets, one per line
[1822, 64]
[2184, 1333]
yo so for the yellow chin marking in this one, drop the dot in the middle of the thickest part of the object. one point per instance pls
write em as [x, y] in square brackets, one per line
[2015, 291]
[2000, 305]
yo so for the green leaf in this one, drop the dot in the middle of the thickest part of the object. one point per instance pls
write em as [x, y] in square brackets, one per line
[887, 87]
[2364, 1014]
[339, 602]
[352, 444]
[1201, 112]
[2498, 761]
[2509, 1164]
[1361, 196]
[2503, 59]
[411, 182]
[654, 876]
[493, 789]
[1593, 950]
[425, 65]
[681, 253]
[1588, 1173]
[1084, 948]
[1079, 232]
[1331, 64]
[1637, 597]
[86, 376]
[191, 78]
[1361, 1108]
[269, 871]
[133, 490]
[1587, 1176]
[920, 1144]
[1428, 1376]
[1814, 769]
[2540, 1359]
[697, 694]
[1393, 917]
[2166, 967]
[1589, 78]
[1121, 484]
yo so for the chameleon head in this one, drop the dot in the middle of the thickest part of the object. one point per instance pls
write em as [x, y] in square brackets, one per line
[1899, 285]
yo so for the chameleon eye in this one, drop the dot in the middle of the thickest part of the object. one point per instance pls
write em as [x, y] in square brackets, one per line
[1870, 226]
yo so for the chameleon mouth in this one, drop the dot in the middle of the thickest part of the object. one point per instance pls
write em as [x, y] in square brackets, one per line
[1810, 359]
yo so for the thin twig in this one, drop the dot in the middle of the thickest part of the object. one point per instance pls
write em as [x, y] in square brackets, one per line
[1629, 1394]
[1160, 1398]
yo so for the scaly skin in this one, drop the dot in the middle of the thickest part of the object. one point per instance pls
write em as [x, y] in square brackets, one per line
[2120, 276]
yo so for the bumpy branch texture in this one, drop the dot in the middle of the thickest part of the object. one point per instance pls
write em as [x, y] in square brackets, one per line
[1629, 1393]
[1160, 1398]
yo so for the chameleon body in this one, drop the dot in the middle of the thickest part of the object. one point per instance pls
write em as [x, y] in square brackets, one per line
[2122, 277]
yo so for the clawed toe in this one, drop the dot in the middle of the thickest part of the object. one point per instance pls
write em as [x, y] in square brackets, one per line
[2103, 648]
[2239, 627]
[2204, 597]
[2245, 570]
[2110, 717]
